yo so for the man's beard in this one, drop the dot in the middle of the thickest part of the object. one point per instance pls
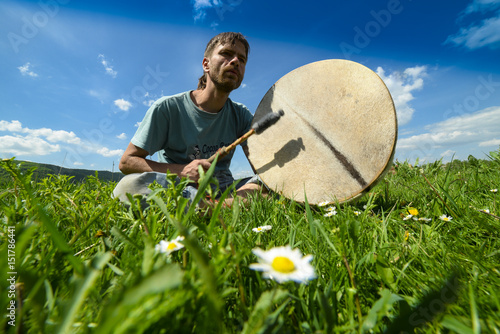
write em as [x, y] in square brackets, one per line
[224, 85]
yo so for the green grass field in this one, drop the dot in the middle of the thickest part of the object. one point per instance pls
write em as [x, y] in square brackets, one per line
[419, 253]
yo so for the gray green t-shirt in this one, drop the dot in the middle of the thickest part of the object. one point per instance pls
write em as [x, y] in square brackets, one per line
[181, 132]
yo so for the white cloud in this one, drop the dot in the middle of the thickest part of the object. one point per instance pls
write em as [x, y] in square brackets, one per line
[101, 94]
[44, 141]
[148, 103]
[221, 7]
[14, 126]
[481, 6]
[94, 93]
[122, 136]
[77, 163]
[484, 121]
[123, 104]
[55, 135]
[200, 6]
[204, 3]
[240, 174]
[448, 153]
[436, 139]
[109, 69]
[492, 142]
[401, 86]
[479, 34]
[26, 141]
[462, 134]
[106, 152]
[49, 134]
[25, 70]
[19, 146]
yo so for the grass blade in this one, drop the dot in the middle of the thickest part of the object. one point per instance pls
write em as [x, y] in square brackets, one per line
[85, 285]
[257, 323]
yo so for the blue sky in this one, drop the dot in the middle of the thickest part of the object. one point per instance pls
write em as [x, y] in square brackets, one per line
[77, 76]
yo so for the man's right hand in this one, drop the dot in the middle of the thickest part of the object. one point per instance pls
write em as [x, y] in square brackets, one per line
[134, 161]
[191, 170]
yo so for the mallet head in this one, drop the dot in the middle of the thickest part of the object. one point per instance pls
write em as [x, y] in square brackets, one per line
[267, 121]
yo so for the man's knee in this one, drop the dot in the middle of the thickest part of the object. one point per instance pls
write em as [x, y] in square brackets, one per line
[250, 188]
[137, 184]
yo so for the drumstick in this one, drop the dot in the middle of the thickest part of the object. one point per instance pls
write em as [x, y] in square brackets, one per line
[257, 127]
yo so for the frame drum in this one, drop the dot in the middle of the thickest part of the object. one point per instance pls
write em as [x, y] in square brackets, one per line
[337, 137]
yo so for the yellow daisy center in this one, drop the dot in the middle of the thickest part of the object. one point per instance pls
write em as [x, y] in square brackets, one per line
[171, 246]
[413, 211]
[259, 228]
[283, 264]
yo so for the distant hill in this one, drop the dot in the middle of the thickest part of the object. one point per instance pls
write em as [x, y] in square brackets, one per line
[43, 170]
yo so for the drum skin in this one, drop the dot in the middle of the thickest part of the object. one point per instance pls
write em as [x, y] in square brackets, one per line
[336, 139]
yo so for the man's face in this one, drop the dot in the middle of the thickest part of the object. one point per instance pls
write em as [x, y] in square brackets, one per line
[226, 66]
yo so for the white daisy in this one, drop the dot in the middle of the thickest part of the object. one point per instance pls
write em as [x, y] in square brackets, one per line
[262, 228]
[284, 264]
[424, 219]
[485, 210]
[408, 217]
[494, 190]
[330, 213]
[169, 246]
[357, 213]
[324, 203]
[445, 218]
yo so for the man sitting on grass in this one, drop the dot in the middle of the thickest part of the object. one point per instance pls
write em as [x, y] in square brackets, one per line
[187, 128]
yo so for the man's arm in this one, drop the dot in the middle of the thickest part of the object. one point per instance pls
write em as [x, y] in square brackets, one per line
[134, 161]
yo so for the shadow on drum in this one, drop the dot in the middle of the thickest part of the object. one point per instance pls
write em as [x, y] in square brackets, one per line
[286, 154]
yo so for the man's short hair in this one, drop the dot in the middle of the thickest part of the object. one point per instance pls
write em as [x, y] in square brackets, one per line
[222, 39]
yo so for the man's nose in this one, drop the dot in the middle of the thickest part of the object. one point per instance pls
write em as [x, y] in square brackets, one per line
[235, 61]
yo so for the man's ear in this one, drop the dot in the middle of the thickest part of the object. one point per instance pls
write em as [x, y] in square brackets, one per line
[205, 64]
